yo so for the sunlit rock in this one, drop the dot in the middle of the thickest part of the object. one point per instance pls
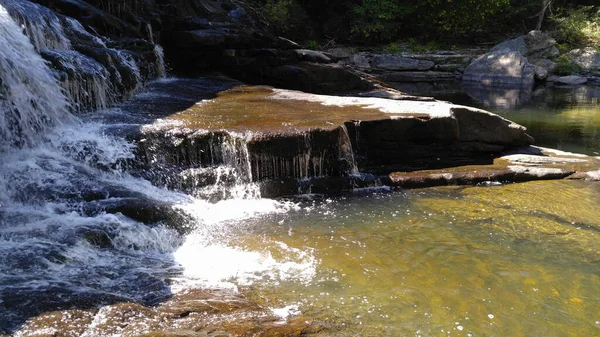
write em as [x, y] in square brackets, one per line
[287, 136]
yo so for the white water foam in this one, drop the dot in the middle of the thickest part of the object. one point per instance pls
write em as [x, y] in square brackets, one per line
[208, 260]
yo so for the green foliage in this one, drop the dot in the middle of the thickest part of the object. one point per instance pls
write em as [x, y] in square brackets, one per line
[563, 47]
[383, 20]
[564, 66]
[277, 13]
[393, 48]
[284, 16]
[448, 21]
[577, 26]
[312, 44]
[377, 19]
[454, 18]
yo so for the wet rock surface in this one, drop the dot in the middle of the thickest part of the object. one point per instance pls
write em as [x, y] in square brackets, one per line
[193, 313]
[278, 136]
[527, 164]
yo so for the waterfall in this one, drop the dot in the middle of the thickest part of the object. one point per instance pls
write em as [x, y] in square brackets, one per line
[76, 228]
[43, 26]
[93, 76]
[346, 153]
[31, 100]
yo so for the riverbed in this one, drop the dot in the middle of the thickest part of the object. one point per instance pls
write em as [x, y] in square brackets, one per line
[493, 259]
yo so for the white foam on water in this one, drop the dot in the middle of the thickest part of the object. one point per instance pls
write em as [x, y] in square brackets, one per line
[208, 260]
[286, 312]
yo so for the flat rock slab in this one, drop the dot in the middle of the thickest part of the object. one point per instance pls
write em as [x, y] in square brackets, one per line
[399, 63]
[283, 134]
[265, 110]
[544, 165]
[568, 80]
[476, 174]
[417, 76]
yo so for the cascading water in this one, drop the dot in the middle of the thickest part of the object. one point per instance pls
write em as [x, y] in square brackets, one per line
[77, 55]
[31, 98]
[77, 230]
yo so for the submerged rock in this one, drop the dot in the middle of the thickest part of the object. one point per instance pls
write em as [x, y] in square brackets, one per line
[215, 312]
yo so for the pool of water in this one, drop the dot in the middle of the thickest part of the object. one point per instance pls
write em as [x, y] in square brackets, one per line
[506, 260]
[565, 118]
[493, 260]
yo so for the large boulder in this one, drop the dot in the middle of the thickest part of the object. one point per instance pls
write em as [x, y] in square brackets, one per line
[515, 63]
[535, 45]
[587, 58]
[501, 68]
[540, 45]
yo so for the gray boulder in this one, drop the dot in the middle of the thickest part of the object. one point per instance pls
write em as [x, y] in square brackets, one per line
[515, 63]
[517, 44]
[360, 61]
[312, 56]
[501, 68]
[587, 58]
[399, 63]
[534, 45]
[540, 45]
[568, 80]
[549, 65]
[541, 73]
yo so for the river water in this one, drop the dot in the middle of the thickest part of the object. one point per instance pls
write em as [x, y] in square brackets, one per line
[560, 117]
[517, 259]
[83, 228]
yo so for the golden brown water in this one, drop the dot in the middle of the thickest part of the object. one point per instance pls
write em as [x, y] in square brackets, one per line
[514, 260]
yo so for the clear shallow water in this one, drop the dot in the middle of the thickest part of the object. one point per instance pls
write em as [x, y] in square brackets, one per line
[513, 260]
[519, 259]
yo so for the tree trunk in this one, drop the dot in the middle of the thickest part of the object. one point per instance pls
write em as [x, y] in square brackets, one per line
[545, 5]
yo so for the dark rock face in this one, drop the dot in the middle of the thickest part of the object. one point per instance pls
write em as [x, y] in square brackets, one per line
[310, 77]
[102, 52]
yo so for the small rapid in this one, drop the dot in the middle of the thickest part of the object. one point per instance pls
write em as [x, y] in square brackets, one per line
[80, 225]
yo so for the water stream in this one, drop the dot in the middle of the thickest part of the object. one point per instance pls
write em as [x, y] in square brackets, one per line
[82, 227]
